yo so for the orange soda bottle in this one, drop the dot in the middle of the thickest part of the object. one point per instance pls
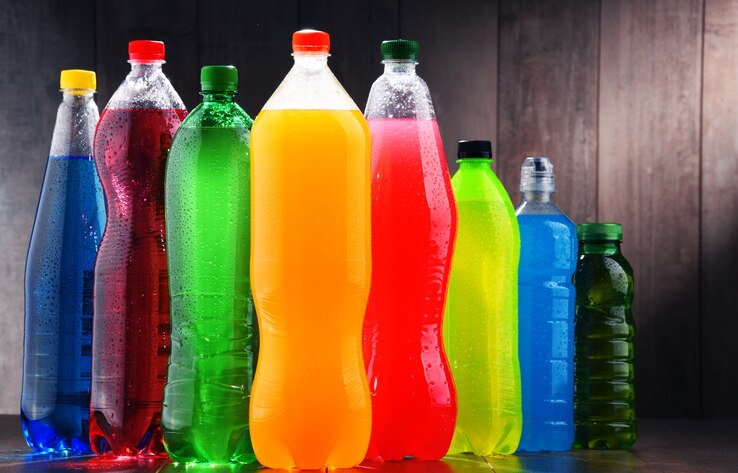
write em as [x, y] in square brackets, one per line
[310, 268]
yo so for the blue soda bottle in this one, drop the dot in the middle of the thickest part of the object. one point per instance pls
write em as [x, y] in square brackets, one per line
[70, 219]
[548, 259]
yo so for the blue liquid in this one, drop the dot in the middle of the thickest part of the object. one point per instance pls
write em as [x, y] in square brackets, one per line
[70, 219]
[548, 259]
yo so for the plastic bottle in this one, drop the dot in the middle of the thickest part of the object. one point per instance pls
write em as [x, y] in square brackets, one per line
[310, 268]
[548, 258]
[130, 342]
[413, 233]
[211, 368]
[604, 391]
[59, 270]
[481, 325]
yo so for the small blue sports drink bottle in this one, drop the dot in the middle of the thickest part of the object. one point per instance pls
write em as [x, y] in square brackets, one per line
[548, 258]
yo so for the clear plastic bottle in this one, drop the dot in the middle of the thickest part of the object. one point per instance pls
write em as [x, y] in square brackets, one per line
[604, 377]
[548, 258]
[413, 234]
[480, 328]
[58, 284]
[208, 193]
[310, 268]
[130, 343]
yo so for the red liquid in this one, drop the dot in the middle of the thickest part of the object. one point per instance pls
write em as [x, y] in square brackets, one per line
[413, 233]
[130, 341]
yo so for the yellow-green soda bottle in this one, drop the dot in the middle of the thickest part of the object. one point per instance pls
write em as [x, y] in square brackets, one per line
[480, 328]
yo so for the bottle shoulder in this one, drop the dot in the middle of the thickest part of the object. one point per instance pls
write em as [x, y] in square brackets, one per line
[479, 184]
[533, 207]
[480, 193]
[310, 85]
[146, 91]
[74, 129]
[218, 115]
[399, 96]
[549, 221]
[606, 271]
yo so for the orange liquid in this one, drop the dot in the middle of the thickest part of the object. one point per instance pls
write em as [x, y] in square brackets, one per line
[311, 272]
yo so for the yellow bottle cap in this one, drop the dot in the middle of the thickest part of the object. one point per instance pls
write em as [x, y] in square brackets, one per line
[77, 79]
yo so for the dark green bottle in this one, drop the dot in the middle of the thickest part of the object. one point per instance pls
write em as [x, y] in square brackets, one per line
[604, 392]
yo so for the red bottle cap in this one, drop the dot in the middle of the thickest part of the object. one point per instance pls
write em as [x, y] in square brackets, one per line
[144, 50]
[311, 41]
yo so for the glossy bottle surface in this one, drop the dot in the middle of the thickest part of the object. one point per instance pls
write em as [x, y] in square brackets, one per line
[214, 338]
[481, 323]
[548, 255]
[58, 286]
[604, 396]
[132, 323]
[413, 233]
[310, 272]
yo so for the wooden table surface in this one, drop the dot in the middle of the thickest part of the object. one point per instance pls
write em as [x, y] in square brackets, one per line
[674, 446]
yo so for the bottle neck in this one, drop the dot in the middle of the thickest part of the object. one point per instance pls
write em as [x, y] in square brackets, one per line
[311, 61]
[75, 123]
[537, 196]
[399, 66]
[475, 163]
[218, 96]
[77, 97]
[141, 69]
[599, 247]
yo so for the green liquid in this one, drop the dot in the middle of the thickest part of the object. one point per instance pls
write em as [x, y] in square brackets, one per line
[214, 331]
[604, 393]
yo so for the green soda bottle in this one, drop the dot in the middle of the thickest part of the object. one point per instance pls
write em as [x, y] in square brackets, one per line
[214, 329]
[604, 394]
[480, 328]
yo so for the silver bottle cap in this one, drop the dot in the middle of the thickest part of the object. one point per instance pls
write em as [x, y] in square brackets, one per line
[537, 175]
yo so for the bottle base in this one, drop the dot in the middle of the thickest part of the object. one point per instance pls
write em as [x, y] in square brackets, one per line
[546, 439]
[150, 443]
[605, 436]
[45, 437]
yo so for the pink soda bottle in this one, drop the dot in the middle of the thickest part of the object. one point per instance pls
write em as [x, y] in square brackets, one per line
[130, 340]
[413, 233]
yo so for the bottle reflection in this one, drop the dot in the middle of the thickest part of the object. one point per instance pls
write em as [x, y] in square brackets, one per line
[90, 463]
[565, 462]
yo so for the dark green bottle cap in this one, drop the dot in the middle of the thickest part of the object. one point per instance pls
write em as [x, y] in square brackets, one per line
[592, 231]
[219, 78]
[400, 49]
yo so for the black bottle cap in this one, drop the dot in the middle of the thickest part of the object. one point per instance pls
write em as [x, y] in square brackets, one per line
[475, 149]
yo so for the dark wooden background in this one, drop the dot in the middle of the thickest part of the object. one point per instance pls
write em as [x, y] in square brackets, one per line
[635, 101]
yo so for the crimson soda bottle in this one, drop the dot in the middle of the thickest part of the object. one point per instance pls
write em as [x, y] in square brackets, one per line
[130, 341]
[413, 233]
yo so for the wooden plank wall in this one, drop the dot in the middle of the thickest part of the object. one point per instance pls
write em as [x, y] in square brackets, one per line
[29, 91]
[459, 63]
[634, 100]
[548, 97]
[650, 80]
[719, 210]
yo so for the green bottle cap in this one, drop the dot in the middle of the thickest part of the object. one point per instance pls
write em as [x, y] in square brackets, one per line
[400, 49]
[219, 78]
[592, 231]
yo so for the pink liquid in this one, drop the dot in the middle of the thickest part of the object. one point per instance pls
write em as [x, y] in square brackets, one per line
[130, 342]
[413, 233]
